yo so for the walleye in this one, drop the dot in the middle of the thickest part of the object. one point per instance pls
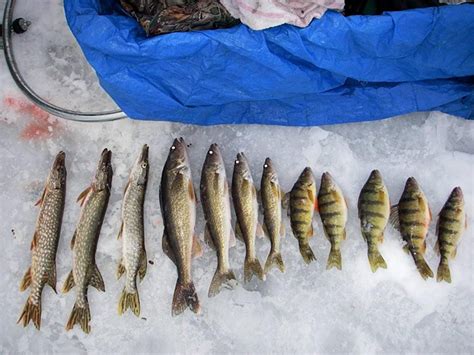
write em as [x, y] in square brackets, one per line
[178, 208]
[452, 222]
[302, 204]
[133, 262]
[94, 201]
[45, 242]
[333, 212]
[374, 212]
[244, 196]
[412, 217]
[216, 205]
[272, 221]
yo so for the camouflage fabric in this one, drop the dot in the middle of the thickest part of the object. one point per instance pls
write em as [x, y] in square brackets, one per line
[166, 16]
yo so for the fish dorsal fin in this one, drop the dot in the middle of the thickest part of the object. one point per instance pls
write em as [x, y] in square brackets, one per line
[120, 269]
[73, 240]
[259, 232]
[82, 196]
[52, 278]
[197, 248]
[143, 265]
[120, 231]
[41, 198]
[167, 247]
[26, 280]
[393, 219]
[69, 283]
[238, 232]
[208, 238]
[96, 279]
[34, 241]
[191, 193]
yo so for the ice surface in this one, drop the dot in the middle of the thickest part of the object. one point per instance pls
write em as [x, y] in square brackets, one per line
[307, 309]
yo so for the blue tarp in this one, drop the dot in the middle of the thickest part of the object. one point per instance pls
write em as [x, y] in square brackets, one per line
[338, 69]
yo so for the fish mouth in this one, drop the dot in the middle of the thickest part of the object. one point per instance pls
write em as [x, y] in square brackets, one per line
[268, 163]
[60, 160]
[241, 158]
[326, 177]
[144, 154]
[106, 157]
[214, 150]
[457, 192]
[411, 182]
[375, 175]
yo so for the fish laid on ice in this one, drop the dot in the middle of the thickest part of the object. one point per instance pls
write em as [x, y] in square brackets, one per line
[45, 242]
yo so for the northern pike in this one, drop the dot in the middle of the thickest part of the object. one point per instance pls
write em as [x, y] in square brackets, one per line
[244, 196]
[132, 232]
[412, 217]
[216, 205]
[273, 225]
[94, 200]
[45, 242]
[178, 208]
[452, 222]
[374, 212]
[302, 203]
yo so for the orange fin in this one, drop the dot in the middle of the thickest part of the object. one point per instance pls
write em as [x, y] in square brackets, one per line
[197, 248]
[34, 241]
[191, 193]
[41, 198]
[26, 281]
[82, 196]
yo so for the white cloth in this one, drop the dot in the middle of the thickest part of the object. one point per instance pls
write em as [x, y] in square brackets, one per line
[261, 14]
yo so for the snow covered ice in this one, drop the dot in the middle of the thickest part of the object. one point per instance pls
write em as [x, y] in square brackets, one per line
[307, 309]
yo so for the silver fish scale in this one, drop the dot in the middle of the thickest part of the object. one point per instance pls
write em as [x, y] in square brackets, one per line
[87, 235]
[132, 234]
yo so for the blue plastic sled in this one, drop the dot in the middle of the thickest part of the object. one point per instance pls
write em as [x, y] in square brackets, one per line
[338, 69]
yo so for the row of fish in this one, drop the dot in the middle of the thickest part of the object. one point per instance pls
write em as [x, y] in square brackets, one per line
[178, 203]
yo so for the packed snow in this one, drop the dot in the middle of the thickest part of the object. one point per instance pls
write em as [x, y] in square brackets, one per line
[307, 309]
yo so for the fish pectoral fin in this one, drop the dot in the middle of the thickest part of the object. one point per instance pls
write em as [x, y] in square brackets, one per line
[453, 254]
[282, 229]
[126, 187]
[406, 249]
[69, 283]
[120, 231]
[310, 232]
[143, 265]
[73, 240]
[26, 280]
[393, 219]
[52, 279]
[260, 232]
[82, 196]
[120, 269]
[197, 247]
[436, 248]
[167, 247]
[191, 193]
[258, 194]
[208, 238]
[231, 238]
[313, 199]
[265, 230]
[285, 201]
[96, 280]
[34, 241]
[41, 198]
[238, 232]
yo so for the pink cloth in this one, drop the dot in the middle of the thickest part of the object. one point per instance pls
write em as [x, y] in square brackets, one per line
[261, 14]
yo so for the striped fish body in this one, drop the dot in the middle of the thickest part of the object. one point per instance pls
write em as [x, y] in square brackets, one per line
[132, 233]
[302, 205]
[244, 196]
[94, 201]
[374, 212]
[414, 216]
[272, 209]
[449, 229]
[45, 242]
[216, 205]
[178, 209]
[333, 212]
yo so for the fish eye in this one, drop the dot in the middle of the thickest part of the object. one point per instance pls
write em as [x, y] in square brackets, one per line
[237, 162]
[265, 166]
[211, 152]
[144, 165]
[173, 147]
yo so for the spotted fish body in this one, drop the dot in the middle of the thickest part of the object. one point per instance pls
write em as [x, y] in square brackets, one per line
[412, 217]
[132, 233]
[272, 219]
[449, 228]
[302, 203]
[45, 242]
[94, 201]
[178, 208]
[244, 196]
[333, 212]
[374, 212]
[216, 205]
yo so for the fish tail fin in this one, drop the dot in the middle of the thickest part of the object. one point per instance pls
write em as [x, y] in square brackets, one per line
[32, 312]
[129, 300]
[306, 252]
[185, 296]
[334, 259]
[443, 274]
[219, 279]
[274, 259]
[423, 267]
[252, 267]
[376, 259]
[81, 316]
